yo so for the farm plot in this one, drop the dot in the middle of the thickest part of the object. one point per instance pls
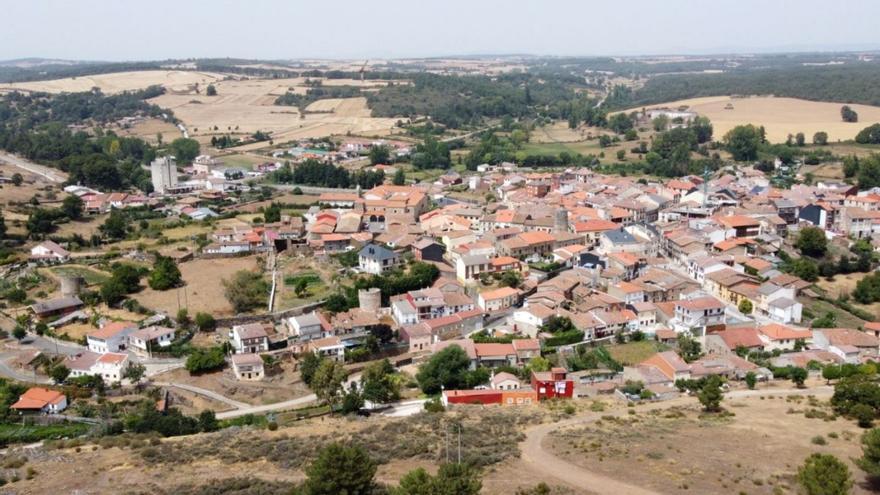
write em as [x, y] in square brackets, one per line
[117, 82]
[204, 287]
[779, 116]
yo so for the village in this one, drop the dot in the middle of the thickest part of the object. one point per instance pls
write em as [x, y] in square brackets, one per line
[363, 267]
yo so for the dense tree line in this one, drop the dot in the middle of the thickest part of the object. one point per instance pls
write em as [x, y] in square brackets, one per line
[846, 84]
[35, 126]
[317, 173]
[457, 101]
[317, 93]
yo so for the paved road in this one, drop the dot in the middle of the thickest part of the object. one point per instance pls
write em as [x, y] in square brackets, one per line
[550, 466]
[206, 393]
[54, 346]
[18, 375]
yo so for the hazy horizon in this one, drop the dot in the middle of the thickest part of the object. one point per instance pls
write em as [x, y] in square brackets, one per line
[98, 30]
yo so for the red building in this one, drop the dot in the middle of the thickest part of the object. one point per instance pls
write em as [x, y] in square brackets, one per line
[553, 383]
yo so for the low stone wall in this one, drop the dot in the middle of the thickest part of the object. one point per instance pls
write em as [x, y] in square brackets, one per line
[276, 316]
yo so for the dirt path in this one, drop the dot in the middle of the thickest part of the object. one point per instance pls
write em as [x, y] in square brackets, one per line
[547, 464]
[49, 173]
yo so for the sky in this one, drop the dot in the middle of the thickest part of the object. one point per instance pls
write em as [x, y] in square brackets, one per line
[122, 30]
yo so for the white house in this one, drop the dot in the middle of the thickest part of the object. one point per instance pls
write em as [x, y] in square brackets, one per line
[698, 312]
[149, 339]
[309, 326]
[376, 259]
[781, 337]
[329, 347]
[112, 337]
[49, 251]
[249, 338]
[504, 381]
[248, 366]
[111, 366]
[498, 299]
[40, 400]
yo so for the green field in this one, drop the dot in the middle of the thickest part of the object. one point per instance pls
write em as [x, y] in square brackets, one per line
[635, 352]
[34, 433]
[582, 147]
[91, 276]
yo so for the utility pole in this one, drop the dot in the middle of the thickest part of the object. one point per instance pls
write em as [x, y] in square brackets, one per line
[459, 443]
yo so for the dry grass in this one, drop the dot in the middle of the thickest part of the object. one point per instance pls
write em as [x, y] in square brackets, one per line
[779, 116]
[844, 285]
[756, 451]
[117, 82]
[280, 386]
[204, 287]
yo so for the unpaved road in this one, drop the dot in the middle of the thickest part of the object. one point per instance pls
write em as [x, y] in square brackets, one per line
[49, 173]
[545, 462]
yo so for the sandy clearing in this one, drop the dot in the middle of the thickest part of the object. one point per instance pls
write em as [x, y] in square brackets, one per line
[779, 116]
[116, 82]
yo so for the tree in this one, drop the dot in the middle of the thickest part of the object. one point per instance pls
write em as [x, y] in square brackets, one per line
[798, 376]
[445, 369]
[116, 225]
[19, 332]
[2, 227]
[869, 135]
[689, 348]
[870, 460]
[820, 138]
[511, 279]
[812, 242]
[246, 290]
[451, 479]
[135, 372]
[379, 383]
[41, 221]
[328, 381]
[301, 287]
[72, 207]
[620, 123]
[208, 421]
[165, 274]
[399, 177]
[202, 360]
[340, 469]
[379, 154]
[799, 139]
[869, 172]
[205, 322]
[745, 307]
[59, 373]
[710, 395]
[742, 142]
[863, 414]
[184, 149]
[751, 380]
[211, 90]
[805, 269]
[112, 291]
[824, 474]
[17, 179]
[308, 366]
[848, 114]
[272, 213]
[660, 123]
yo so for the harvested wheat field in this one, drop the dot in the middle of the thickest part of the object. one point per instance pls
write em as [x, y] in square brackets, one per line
[779, 116]
[173, 80]
[204, 287]
[244, 107]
